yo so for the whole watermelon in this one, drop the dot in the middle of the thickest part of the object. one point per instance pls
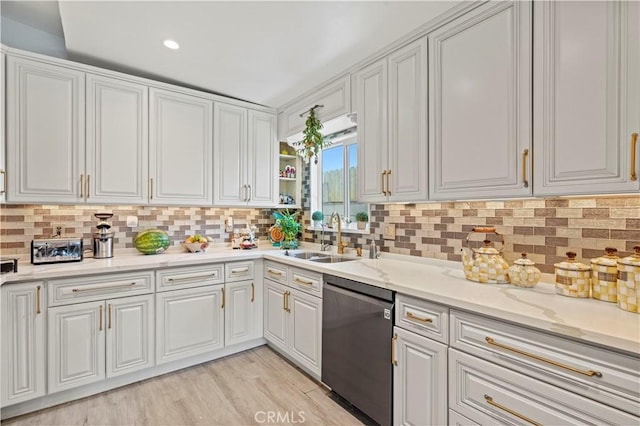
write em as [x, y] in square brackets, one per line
[152, 241]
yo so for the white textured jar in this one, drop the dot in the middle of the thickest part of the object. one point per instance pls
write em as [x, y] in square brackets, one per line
[523, 272]
[629, 281]
[573, 278]
[604, 277]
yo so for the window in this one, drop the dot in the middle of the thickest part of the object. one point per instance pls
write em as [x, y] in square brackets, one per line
[336, 181]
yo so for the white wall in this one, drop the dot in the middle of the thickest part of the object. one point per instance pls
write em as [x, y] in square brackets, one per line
[21, 36]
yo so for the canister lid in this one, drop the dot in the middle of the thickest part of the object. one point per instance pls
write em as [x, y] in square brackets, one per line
[609, 259]
[571, 264]
[524, 260]
[633, 260]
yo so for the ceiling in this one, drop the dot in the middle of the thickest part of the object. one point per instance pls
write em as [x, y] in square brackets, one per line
[266, 52]
[43, 15]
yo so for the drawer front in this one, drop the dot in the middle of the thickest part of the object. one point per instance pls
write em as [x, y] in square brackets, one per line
[238, 271]
[190, 276]
[276, 272]
[456, 419]
[609, 377]
[424, 318]
[65, 291]
[489, 394]
[307, 281]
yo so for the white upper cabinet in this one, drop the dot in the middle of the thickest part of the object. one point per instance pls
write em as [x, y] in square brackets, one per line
[117, 142]
[587, 99]
[391, 98]
[480, 104]
[3, 160]
[244, 147]
[180, 158]
[45, 132]
[334, 99]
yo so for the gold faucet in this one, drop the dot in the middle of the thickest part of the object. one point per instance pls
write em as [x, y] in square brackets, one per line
[341, 244]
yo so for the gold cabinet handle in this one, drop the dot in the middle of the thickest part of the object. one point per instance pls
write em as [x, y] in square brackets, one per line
[384, 188]
[303, 282]
[4, 181]
[38, 308]
[274, 272]
[109, 316]
[88, 185]
[194, 277]
[589, 373]
[222, 306]
[81, 186]
[151, 188]
[525, 154]
[244, 193]
[100, 320]
[250, 193]
[388, 183]
[253, 292]
[634, 143]
[111, 287]
[413, 317]
[490, 401]
[285, 302]
[239, 270]
[394, 339]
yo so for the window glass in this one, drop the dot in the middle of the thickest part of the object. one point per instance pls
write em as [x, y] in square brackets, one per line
[333, 180]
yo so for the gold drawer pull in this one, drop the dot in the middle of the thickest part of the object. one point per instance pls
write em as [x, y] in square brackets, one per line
[101, 314]
[239, 270]
[222, 306]
[490, 401]
[253, 292]
[413, 317]
[194, 277]
[634, 143]
[303, 282]
[589, 373]
[81, 186]
[38, 310]
[88, 185]
[525, 182]
[388, 183]
[109, 315]
[384, 189]
[274, 272]
[394, 339]
[80, 290]
[285, 301]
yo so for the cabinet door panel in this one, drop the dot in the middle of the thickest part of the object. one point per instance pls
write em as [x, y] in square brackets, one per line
[130, 334]
[275, 317]
[263, 156]
[190, 322]
[230, 154]
[23, 343]
[419, 380]
[587, 62]
[239, 321]
[305, 330]
[408, 122]
[45, 132]
[480, 97]
[117, 143]
[371, 94]
[3, 159]
[76, 345]
[180, 139]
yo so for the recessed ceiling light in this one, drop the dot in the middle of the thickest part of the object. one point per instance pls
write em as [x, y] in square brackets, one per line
[171, 44]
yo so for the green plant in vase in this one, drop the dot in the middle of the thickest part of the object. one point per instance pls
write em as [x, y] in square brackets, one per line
[362, 218]
[317, 217]
[290, 227]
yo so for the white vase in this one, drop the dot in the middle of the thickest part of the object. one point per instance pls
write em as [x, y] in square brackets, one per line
[362, 225]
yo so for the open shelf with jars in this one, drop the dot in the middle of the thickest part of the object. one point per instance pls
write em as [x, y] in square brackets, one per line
[289, 177]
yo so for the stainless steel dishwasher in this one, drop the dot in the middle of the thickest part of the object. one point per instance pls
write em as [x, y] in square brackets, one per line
[357, 327]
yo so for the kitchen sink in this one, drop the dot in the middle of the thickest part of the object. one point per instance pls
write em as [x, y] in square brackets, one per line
[332, 259]
[309, 255]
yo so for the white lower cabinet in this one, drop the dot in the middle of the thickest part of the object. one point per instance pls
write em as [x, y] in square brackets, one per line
[242, 319]
[419, 380]
[23, 345]
[189, 322]
[88, 342]
[293, 324]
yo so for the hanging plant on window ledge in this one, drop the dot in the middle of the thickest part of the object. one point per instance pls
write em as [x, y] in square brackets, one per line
[313, 141]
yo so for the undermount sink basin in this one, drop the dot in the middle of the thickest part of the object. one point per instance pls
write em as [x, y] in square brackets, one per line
[332, 259]
[309, 254]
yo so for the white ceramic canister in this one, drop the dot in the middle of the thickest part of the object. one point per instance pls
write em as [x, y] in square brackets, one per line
[573, 278]
[604, 276]
[629, 281]
[523, 272]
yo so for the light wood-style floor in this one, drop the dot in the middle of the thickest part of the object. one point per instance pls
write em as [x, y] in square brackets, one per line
[228, 391]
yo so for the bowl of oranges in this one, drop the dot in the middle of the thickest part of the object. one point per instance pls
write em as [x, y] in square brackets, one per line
[195, 243]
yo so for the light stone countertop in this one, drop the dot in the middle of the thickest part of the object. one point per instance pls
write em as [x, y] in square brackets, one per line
[438, 281]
